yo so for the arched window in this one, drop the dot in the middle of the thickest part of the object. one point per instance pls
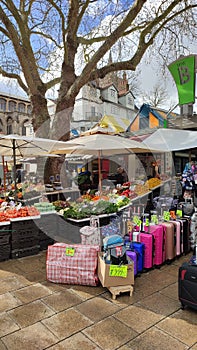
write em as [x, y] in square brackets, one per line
[21, 107]
[12, 106]
[1, 126]
[9, 126]
[24, 127]
[29, 109]
[2, 104]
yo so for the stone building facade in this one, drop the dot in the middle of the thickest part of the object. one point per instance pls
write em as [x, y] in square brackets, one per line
[15, 115]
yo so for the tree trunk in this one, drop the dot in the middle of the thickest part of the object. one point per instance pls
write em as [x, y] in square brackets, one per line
[41, 118]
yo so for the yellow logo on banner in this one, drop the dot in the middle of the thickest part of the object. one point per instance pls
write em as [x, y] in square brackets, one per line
[70, 251]
[118, 271]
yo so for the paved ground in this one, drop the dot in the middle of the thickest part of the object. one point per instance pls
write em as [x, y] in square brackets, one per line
[36, 314]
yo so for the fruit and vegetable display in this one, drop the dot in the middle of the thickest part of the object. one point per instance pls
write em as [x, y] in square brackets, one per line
[44, 207]
[97, 205]
[153, 182]
[12, 212]
[133, 190]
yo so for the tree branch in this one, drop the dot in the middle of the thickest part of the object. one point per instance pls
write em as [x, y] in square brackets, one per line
[14, 76]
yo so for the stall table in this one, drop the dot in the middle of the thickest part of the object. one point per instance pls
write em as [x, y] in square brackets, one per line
[62, 194]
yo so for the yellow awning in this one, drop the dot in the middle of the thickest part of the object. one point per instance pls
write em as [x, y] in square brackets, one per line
[117, 124]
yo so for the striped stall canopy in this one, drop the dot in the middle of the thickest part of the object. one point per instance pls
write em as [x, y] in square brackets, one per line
[117, 124]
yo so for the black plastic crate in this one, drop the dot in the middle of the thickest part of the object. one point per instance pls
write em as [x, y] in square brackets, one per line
[20, 253]
[22, 234]
[5, 250]
[4, 238]
[24, 225]
[25, 242]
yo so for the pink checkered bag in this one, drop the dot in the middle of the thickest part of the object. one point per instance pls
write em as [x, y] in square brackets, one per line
[72, 264]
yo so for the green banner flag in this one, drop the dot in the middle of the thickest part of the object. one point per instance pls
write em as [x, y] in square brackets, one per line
[183, 72]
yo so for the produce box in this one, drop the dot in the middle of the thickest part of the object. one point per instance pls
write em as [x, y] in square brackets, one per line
[5, 233]
[5, 250]
[20, 253]
[114, 277]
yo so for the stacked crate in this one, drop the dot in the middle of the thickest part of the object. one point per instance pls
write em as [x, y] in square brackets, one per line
[24, 238]
[5, 234]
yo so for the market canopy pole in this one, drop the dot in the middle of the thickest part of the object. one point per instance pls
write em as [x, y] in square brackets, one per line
[14, 167]
[4, 173]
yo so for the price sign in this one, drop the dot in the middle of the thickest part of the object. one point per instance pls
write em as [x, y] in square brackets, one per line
[166, 215]
[154, 219]
[137, 220]
[118, 271]
[179, 213]
[70, 251]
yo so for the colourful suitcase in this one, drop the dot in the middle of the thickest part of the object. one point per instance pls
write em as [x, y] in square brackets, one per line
[158, 232]
[139, 249]
[187, 285]
[133, 256]
[148, 240]
[185, 227]
[178, 234]
[170, 240]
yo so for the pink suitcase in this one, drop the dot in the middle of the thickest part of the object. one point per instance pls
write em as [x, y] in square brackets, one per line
[170, 240]
[177, 226]
[148, 240]
[159, 234]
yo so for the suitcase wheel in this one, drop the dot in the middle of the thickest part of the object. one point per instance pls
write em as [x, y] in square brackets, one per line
[182, 306]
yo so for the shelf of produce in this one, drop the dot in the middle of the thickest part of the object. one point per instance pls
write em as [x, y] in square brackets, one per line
[138, 198]
[100, 216]
[62, 194]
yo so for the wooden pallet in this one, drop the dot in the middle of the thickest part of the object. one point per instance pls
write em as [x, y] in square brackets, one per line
[120, 289]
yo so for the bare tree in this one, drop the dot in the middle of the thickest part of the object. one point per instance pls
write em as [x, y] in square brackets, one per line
[157, 96]
[41, 39]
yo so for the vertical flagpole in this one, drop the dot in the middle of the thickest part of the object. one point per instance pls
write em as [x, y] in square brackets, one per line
[14, 167]
[4, 174]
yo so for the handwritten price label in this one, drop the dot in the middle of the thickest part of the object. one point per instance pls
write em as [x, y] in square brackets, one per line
[154, 219]
[70, 251]
[179, 213]
[118, 271]
[166, 215]
[137, 220]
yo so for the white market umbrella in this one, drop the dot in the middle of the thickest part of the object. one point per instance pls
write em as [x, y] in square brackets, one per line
[172, 139]
[102, 145]
[27, 146]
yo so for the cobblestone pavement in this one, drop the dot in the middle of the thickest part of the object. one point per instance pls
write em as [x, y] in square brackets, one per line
[36, 314]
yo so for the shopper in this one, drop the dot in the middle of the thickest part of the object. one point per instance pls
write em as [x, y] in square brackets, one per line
[121, 176]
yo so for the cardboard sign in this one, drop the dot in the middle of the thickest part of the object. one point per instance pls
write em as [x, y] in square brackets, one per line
[118, 271]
